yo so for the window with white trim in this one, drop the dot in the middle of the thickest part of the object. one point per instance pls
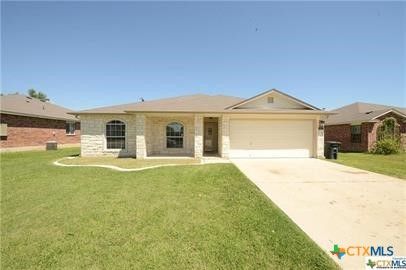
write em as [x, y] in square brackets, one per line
[70, 128]
[115, 135]
[174, 135]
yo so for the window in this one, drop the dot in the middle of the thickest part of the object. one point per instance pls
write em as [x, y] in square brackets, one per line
[115, 135]
[174, 135]
[70, 128]
[356, 134]
[270, 99]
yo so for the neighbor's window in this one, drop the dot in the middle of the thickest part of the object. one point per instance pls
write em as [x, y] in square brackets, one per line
[70, 128]
[115, 135]
[356, 134]
[174, 135]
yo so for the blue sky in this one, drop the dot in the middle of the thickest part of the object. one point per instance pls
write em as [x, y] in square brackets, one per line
[88, 54]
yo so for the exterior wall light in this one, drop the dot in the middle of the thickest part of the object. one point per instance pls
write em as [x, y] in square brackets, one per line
[321, 125]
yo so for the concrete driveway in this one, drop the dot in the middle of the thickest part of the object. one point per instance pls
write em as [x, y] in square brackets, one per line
[335, 204]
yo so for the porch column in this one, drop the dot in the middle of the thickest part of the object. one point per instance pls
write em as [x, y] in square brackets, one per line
[141, 150]
[198, 136]
[319, 138]
[225, 136]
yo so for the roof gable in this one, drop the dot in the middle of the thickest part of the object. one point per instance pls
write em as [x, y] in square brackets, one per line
[359, 112]
[379, 114]
[273, 100]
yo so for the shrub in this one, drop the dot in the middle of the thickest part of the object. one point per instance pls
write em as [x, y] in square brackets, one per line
[386, 147]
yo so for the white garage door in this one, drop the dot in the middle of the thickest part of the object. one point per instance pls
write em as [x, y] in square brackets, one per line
[271, 138]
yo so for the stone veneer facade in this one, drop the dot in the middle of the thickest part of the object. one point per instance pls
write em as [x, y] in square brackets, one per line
[225, 136]
[156, 135]
[93, 139]
[320, 143]
[146, 135]
[198, 144]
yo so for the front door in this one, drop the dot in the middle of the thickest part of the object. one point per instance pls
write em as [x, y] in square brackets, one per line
[210, 137]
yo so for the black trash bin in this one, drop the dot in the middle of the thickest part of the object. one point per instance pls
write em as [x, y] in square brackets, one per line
[331, 149]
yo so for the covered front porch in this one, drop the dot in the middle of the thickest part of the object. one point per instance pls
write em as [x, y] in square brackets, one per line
[181, 135]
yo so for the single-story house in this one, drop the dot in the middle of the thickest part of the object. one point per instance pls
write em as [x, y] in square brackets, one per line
[30, 122]
[356, 125]
[271, 124]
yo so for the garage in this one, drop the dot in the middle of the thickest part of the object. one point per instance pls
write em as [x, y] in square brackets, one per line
[254, 138]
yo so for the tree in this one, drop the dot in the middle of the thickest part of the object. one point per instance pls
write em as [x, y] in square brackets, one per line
[38, 95]
[32, 93]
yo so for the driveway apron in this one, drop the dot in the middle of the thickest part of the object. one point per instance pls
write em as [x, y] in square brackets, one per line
[335, 204]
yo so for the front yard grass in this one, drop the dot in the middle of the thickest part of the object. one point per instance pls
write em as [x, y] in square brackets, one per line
[129, 163]
[392, 165]
[183, 217]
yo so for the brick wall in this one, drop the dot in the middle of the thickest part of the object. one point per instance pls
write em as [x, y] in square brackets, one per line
[31, 131]
[342, 133]
[372, 130]
[367, 137]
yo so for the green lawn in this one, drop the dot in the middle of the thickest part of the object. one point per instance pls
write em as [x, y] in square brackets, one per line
[393, 165]
[129, 163]
[184, 217]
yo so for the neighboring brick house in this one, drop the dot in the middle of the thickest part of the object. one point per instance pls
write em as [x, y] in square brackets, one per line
[28, 122]
[356, 125]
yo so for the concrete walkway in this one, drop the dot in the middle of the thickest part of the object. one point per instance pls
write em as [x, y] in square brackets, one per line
[335, 204]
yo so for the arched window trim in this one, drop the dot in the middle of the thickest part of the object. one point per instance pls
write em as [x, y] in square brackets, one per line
[387, 129]
[115, 133]
[175, 139]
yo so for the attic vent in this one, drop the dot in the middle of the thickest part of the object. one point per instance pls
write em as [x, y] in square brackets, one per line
[270, 99]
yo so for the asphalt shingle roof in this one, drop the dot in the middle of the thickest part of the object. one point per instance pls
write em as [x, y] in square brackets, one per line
[27, 106]
[360, 112]
[196, 103]
[199, 103]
